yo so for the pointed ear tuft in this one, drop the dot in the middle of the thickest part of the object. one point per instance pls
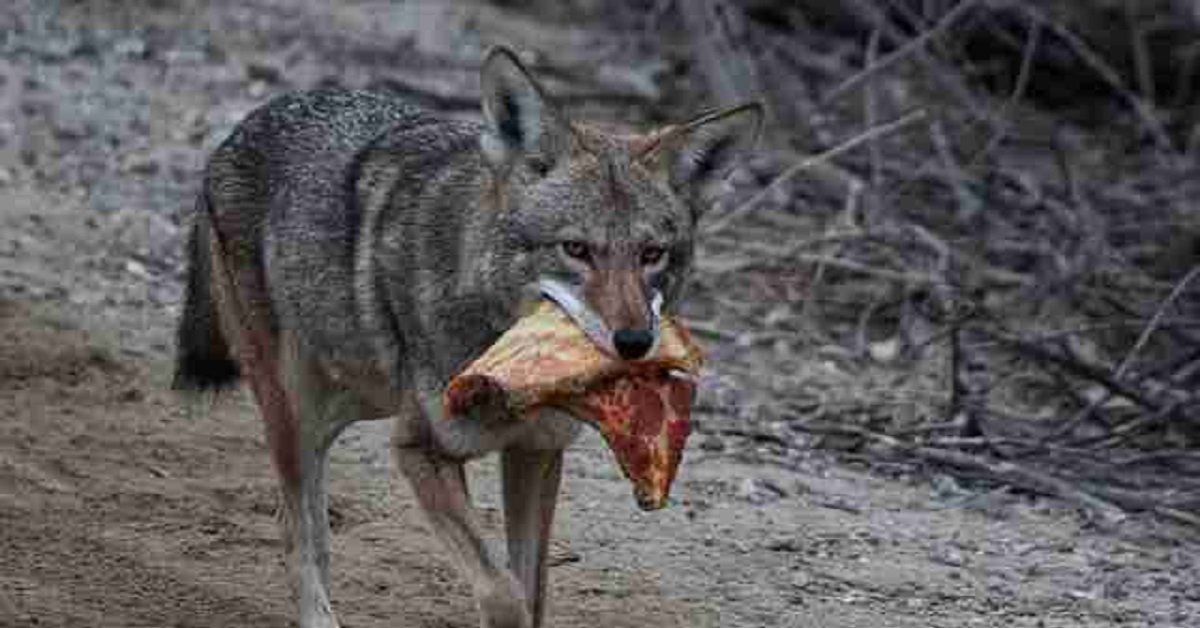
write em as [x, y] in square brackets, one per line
[520, 123]
[702, 151]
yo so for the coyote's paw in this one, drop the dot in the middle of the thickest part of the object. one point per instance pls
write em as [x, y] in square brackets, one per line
[504, 607]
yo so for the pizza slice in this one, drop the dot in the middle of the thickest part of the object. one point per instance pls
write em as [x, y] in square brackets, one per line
[641, 407]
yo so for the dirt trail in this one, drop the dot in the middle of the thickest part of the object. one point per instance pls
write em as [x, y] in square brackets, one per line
[122, 506]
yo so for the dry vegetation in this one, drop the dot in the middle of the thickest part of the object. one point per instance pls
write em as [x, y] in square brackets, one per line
[998, 280]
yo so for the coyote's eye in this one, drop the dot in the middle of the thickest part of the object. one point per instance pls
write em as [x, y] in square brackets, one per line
[652, 255]
[576, 249]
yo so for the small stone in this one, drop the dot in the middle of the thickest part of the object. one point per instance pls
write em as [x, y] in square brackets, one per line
[884, 351]
[760, 491]
[139, 163]
[801, 580]
[562, 557]
[131, 47]
[788, 545]
[258, 71]
[948, 556]
[184, 56]
[1090, 595]
[136, 268]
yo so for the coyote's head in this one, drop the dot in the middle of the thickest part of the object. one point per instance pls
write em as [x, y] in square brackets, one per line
[602, 223]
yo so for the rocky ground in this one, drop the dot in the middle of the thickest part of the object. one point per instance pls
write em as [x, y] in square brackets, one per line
[121, 505]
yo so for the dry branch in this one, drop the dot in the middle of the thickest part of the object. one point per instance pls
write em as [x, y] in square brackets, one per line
[888, 61]
[809, 162]
[1155, 321]
[1056, 218]
[1000, 471]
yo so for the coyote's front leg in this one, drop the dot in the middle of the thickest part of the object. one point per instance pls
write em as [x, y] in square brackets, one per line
[440, 487]
[531, 478]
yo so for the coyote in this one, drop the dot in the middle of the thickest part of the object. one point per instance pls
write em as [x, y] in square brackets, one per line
[351, 252]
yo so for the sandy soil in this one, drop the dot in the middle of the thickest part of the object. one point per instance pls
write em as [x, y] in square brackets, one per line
[123, 505]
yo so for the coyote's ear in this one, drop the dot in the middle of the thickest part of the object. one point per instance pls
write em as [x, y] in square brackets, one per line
[702, 150]
[520, 123]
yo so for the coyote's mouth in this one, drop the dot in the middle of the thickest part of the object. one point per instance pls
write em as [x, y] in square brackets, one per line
[591, 323]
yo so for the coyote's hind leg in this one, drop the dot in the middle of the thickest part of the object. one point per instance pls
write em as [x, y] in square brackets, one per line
[295, 405]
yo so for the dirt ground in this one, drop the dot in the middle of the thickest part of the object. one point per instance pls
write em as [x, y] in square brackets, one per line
[123, 505]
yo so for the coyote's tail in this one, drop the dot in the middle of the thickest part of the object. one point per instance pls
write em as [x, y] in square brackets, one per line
[203, 360]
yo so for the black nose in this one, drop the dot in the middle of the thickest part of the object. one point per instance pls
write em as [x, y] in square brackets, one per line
[633, 343]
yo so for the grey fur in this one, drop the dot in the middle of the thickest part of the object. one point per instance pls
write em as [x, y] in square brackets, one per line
[352, 253]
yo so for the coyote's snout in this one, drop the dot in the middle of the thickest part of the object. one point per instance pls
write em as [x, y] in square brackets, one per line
[350, 253]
